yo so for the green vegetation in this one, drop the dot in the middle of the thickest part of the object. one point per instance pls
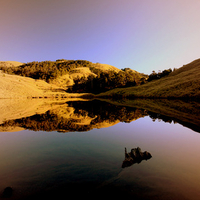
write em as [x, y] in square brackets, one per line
[182, 83]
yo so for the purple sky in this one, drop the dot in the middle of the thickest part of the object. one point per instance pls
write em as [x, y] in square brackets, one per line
[144, 35]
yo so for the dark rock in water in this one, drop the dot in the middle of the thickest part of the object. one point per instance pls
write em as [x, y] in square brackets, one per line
[135, 156]
[7, 193]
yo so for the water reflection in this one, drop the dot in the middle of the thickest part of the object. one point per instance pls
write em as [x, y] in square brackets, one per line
[77, 116]
[86, 115]
[42, 165]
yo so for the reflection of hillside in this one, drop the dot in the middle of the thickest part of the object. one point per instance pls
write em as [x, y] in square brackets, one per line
[186, 113]
[87, 115]
[77, 116]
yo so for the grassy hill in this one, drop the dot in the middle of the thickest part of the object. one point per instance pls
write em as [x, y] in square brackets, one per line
[182, 83]
[67, 73]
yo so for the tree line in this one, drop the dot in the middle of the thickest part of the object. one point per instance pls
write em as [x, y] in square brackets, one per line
[155, 76]
[106, 81]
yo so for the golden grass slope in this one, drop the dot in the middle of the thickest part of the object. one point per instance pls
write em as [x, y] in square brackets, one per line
[182, 83]
[18, 87]
[13, 86]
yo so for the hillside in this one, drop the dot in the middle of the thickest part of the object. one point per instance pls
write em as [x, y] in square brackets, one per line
[182, 83]
[75, 76]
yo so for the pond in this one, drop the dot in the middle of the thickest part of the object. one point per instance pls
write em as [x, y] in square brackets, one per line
[77, 148]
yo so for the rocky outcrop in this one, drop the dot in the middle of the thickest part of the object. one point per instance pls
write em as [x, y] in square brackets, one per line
[135, 156]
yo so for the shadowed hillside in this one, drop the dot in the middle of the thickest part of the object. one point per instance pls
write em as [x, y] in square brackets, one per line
[182, 83]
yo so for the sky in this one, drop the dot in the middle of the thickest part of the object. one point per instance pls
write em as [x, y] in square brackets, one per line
[144, 35]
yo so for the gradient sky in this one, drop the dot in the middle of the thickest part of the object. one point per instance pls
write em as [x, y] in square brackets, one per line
[144, 35]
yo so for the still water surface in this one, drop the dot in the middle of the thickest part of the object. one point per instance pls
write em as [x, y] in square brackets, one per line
[41, 164]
